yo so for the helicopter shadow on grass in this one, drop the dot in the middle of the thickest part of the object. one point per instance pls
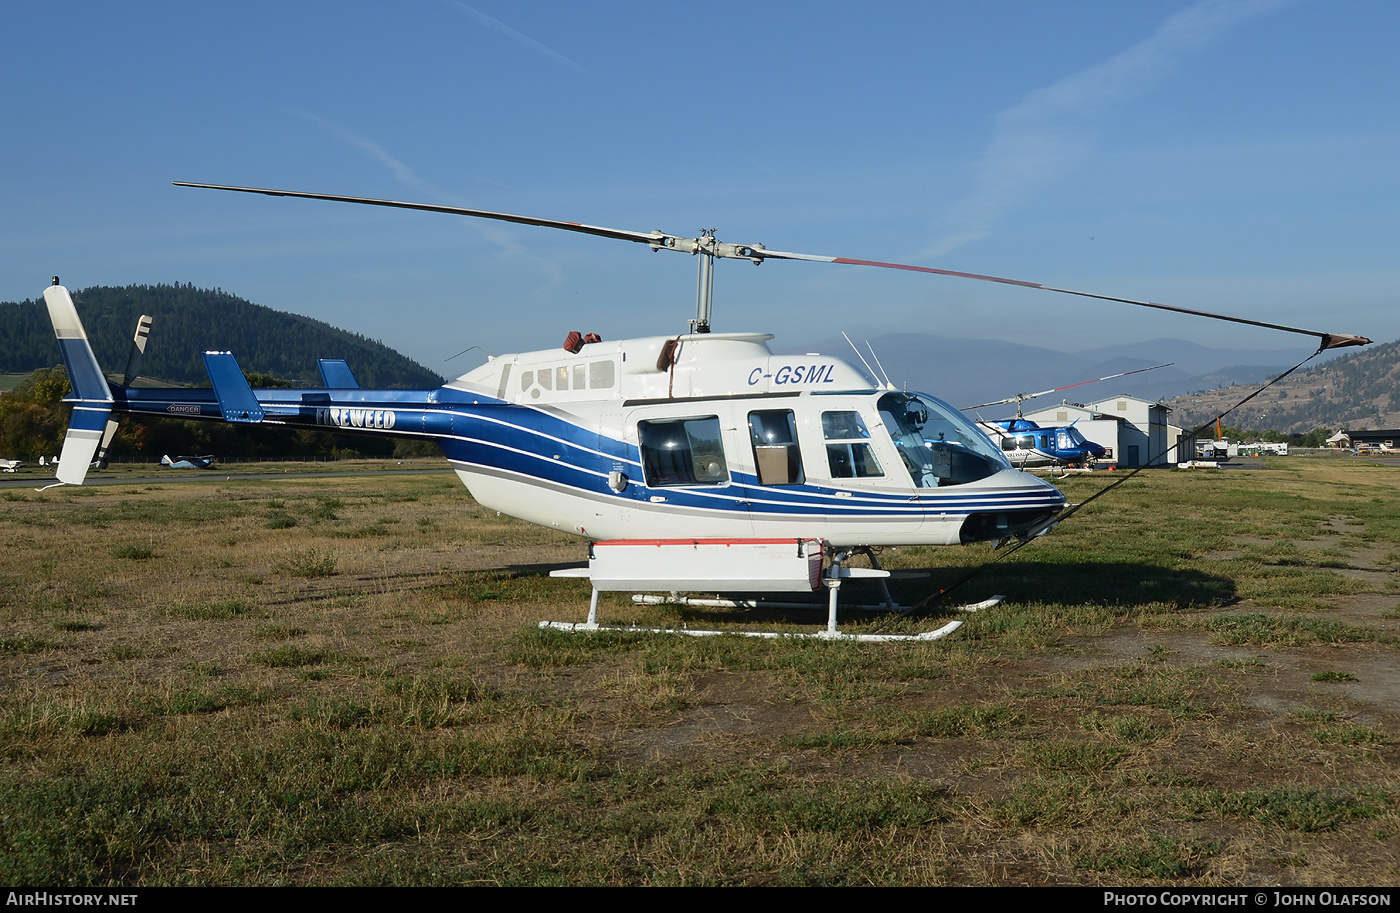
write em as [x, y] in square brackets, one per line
[1129, 586]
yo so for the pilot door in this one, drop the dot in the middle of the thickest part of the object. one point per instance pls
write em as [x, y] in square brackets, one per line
[871, 491]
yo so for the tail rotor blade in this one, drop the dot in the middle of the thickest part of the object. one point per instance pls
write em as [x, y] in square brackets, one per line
[138, 350]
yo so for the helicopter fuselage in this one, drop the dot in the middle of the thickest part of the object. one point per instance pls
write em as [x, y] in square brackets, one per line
[1027, 444]
[704, 436]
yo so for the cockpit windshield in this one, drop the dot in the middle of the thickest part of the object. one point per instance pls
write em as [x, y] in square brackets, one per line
[1068, 439]
[938, 445]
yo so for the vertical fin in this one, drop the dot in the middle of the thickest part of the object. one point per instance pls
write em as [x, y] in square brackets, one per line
[92, 397]
[84, 375]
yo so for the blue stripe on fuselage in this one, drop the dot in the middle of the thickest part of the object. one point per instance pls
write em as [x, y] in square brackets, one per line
[537, 444]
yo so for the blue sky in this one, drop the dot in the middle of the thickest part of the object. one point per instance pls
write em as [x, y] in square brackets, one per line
[1235, 156]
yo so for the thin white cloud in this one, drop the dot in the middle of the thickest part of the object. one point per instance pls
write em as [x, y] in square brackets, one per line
[504, 238]
[499, 26]
[402, 173]
[1052, 129]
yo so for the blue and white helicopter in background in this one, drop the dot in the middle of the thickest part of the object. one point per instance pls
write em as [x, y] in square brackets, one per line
[694, 462]
[1029, 445]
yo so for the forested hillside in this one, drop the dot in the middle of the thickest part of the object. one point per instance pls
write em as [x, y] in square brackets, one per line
[189, 321]
[1360, 390]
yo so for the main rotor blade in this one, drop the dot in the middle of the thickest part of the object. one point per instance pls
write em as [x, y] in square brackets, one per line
[1021, 397]
[1328, 340]
[757, 253]
[1097, 379]
[653, 238]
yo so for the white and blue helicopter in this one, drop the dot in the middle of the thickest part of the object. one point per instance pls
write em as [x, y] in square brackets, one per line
[1029, 445]
[695, 462]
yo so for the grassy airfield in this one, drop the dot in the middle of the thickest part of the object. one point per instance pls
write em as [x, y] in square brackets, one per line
[340, 681]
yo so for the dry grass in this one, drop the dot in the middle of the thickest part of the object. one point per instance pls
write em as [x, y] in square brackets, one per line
[340, 681]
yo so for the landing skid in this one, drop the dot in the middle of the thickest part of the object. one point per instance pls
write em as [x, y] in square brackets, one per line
[586, 627]
[831, 578]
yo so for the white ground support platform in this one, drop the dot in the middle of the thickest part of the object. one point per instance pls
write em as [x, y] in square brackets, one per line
[707, 565]
[734, 565]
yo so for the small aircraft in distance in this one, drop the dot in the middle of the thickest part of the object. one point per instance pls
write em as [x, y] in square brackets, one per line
[10, 465]
[698, 462]
[1029, 445]
[187, 462]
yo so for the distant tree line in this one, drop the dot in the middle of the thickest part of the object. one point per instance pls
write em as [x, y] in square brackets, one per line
[189, 321]
[32, 418]
[1314, 438]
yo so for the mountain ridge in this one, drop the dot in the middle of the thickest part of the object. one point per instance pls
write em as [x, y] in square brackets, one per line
[188, 321]
[969, 370]
[1356, 391]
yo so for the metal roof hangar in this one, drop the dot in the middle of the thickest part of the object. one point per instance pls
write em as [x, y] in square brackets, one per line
[1134, 430]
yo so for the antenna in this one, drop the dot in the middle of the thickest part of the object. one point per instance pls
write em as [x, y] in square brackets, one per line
[888, 385]
[871, 371]
[489, 356]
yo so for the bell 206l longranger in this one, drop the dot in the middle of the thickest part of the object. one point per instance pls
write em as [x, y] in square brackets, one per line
[670, 450]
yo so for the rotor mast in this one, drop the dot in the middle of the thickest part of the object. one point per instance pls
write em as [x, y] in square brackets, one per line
[704, 281]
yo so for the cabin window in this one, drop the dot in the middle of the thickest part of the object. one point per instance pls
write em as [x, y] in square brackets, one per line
[600, 375]
[848, 452]
[562, 381]
[843, 426]
[775, 452]
[527, 378]
[580, 377]
[1025, 442]
[545, 377]
[683, 452]
[1008, 443]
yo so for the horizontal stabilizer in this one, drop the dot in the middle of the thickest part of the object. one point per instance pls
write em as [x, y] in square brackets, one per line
[336, 374]
[235, 396]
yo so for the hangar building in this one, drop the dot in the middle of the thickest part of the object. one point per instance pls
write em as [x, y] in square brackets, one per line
[1132, 429]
